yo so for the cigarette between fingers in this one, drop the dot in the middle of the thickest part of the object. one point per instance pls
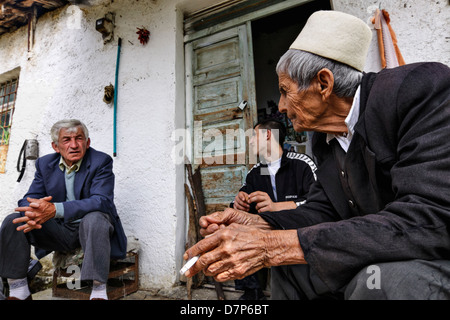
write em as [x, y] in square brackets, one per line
[189, 264]
[192, 260]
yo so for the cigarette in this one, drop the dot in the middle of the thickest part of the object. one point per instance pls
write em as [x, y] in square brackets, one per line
[192, 260]
[189, 264]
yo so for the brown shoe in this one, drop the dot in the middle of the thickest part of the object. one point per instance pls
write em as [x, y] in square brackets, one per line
[14, 298]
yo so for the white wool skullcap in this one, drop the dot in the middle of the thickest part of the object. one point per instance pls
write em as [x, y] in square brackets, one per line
[335, 35]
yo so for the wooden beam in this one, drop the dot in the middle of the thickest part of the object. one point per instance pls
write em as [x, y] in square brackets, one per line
[11, 14]
[50, 4]
[10, 2]
[25, 3]
[15, 13]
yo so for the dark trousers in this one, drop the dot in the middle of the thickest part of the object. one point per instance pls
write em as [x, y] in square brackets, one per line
[402, 280]
[92, 234]
[298, 282]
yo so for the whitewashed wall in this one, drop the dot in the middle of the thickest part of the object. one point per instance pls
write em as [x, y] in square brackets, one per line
[64, 77]
[421, 27]
[65, 74]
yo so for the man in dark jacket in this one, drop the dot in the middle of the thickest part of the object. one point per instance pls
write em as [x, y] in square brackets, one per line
[375, 225]
[69, 203]
[279, 181]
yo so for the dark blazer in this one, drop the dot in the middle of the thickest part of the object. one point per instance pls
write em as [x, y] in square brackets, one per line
[94, 191]
[389, 199]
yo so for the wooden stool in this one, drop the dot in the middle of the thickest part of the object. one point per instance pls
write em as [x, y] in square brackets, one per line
[123, 278]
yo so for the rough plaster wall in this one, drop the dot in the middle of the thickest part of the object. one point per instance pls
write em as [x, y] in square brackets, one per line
[66, 72]
[421, 27]
[64, 77]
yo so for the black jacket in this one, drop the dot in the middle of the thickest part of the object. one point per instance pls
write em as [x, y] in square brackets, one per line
[393, 201]
[293, 179]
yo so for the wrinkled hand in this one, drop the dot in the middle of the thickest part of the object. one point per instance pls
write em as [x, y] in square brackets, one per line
[218, 220]
[236, 251]
[233, 252]
[233, 247]
[37, 213]
[241, 201]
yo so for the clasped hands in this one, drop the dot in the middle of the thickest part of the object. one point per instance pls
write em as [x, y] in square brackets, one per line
[38, 212]
[238, 244]
[263, 202]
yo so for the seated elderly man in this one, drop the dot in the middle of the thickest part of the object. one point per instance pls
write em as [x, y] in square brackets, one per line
[376, 222]
[69, 203]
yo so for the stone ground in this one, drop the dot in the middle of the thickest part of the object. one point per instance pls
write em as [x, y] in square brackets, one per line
[41, 288]
[176, 293]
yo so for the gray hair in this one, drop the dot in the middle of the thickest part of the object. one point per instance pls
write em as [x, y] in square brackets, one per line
[71, 125]
[302, 67]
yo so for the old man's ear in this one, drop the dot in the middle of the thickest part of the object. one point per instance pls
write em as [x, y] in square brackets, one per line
[325, 79]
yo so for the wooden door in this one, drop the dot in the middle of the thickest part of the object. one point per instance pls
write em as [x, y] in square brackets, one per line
[220, 91]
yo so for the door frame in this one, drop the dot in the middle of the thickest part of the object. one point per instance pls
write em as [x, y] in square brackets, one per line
[207, 34]
[249, 113]
[190, 36]
[264, 11]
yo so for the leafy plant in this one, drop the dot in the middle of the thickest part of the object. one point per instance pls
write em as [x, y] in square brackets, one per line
[5, 135]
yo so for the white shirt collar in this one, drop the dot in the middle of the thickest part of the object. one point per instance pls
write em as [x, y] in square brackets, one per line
[350, 122]
[275, 162]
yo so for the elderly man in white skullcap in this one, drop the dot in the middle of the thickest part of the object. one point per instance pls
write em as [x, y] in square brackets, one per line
[375, 225]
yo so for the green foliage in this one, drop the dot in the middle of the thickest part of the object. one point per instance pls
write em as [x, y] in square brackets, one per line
[5, 134]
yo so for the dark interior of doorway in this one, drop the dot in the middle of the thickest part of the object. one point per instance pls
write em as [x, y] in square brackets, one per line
[272, 36]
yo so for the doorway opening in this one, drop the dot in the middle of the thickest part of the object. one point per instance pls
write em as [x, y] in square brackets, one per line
[271, 37]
